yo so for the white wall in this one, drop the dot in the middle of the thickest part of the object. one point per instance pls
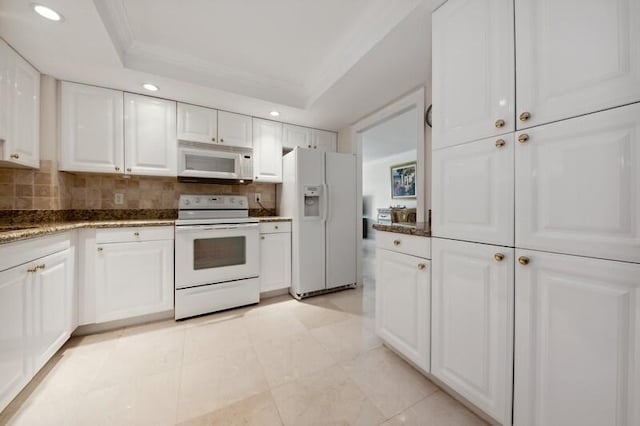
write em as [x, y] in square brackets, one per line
[376, 184]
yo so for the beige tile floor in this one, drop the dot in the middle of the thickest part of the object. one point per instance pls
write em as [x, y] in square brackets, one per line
[316, 362]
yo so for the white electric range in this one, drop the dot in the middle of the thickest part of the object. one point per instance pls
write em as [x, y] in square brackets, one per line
[216, 255]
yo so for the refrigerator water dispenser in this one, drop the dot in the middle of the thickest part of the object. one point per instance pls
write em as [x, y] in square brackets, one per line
[312, 200]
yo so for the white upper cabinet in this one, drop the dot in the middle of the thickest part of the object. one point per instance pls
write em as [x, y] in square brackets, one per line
[197, 124]
[19, 110]
[472, 193]
[578, 186]
[296, 136]
[324, 141]
[574, 57]
[234, 129]
[151, 147]
[473, 72]
[92, 129]
[403, 303]
[577, 329]
[472, 319]
[267, 151]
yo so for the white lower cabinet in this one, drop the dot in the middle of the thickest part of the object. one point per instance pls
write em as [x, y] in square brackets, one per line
[275, 256]
[577, 331]
[36, 308]
[472, 319]
[133, 279]
[403, 301]
[15, 330]
[53, 298]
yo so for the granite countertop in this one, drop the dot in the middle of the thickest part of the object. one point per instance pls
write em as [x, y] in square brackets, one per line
[18, 232]
[24, 231]
[421, 229]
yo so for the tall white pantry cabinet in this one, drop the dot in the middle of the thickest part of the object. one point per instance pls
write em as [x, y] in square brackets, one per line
[536, 209]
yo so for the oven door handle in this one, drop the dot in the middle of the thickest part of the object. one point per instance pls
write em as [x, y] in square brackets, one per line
[214, 227]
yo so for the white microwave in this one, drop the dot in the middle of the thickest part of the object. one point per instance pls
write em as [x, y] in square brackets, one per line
[215, 164]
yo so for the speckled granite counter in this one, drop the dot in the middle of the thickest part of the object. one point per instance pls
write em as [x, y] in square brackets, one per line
[421, 229]
[275, 219]
[18, 232]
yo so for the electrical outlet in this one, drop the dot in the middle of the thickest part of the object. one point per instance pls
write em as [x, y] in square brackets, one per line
[258, 197]
[119, 198]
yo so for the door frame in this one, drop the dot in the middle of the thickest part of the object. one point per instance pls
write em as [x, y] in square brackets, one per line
[416, 99]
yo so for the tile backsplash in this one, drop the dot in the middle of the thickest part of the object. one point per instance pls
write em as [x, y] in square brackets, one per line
[48, 189]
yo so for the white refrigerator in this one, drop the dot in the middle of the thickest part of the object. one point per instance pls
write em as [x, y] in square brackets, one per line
[319, 194]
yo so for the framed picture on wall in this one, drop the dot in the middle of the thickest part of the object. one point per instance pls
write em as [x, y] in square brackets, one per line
[403, 180]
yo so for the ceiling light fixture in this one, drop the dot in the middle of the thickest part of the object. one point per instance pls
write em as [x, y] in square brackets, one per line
[274, 113]
[46, 12]
[150, 87]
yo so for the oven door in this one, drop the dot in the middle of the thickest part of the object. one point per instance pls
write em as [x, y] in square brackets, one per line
[210, 163]
[210, 254]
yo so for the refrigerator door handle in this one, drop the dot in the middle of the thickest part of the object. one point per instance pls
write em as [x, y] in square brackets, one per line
[325, 213]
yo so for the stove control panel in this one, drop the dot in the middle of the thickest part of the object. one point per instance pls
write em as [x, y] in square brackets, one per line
[213, 202]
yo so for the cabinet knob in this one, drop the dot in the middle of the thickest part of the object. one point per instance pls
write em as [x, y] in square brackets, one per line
[500, 143]
[117, 169]
[137, 234]
[100, 249]
[309, 146]
[396, 242]
[523, 138]
[499, 257]
[276, 226]
[523, 260]
[421, 266]
[213, 139]
[525, 116]
[221, 140]
[500, 123]
[15, 156]
[262, 237]
[128, 169]
[33, 269]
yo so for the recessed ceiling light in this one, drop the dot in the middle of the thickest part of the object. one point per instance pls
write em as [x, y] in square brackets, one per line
[150, 87]
[274, 113]
[46, 12]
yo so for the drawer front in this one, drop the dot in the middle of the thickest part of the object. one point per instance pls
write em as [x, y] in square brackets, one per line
[401, 243]
[142, 233]
[274, 227]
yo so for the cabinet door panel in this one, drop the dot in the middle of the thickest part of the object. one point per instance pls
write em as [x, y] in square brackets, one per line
[578, 186]
[92, 128]
[267, 151]
[133, 279]
[577, 330]
[15, 332]
[324, 141]
[150, 136]
[473, 191]
[576, 57]
[53, 307]
[5, 90]
[235, 129]
[197, 124]
[403, 304]
[473, 73]
[472, 338]
[296, 136]
[275, 261]
[25, 112]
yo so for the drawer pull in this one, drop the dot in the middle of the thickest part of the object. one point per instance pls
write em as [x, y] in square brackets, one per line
[523, 138]
[396, 243]
[499, 257]
[41, 266]
[525, 116]
[137, 234]
[100, 249]
[523, 260]
[276, 226]
[500, 143]
[500, 123]
[34, 269]
[421, 266]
